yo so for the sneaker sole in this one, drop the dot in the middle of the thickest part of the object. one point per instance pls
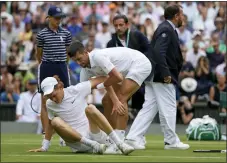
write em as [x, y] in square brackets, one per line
[172, 148]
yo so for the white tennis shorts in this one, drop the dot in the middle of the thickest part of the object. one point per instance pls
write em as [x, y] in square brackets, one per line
[139, 70]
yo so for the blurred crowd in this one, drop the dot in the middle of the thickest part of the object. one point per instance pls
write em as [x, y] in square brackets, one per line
[202, 39]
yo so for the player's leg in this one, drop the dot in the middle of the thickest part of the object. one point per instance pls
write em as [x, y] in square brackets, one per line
[108, 106]
[166, 101]
[72, 136]
[132, 82]
[127, 89]
[143, 119]
[97, 121]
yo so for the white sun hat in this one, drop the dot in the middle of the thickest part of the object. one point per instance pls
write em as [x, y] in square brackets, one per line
[48, 84]
[189, 84]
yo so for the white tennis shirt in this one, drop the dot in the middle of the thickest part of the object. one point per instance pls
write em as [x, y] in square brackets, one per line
[72, 108]
[102, 61]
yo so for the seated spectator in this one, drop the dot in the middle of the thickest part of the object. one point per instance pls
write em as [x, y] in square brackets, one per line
[74, 26]
[216, 57]
[90, 46]
[196, 37]
[92, 39]
[184, 34]
[94, 14]
[185, 111]
[9, 96]
[25, 74]
[24, 111]
[203, 76]
[104, 36]
[17, 85]
[221, 86]
[7, 77]
[27, 33]
[16, 51]
[82, 35]
[194, 54]
[214, 39]
[220, 28]
[9, 35]
[12, 65]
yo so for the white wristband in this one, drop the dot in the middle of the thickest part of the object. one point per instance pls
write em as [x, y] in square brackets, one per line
[100, 86]
[45, 144]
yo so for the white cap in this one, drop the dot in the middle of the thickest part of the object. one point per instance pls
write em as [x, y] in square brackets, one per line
[189, 84]
[48, 84]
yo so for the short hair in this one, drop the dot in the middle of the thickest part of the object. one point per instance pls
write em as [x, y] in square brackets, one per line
[120, 16]
[74, 47]
[171, 11]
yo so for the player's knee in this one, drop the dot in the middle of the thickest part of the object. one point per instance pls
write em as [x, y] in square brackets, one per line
[90, 110]
[56, 122]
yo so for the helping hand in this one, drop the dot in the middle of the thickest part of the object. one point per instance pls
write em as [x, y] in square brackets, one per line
[119, 107]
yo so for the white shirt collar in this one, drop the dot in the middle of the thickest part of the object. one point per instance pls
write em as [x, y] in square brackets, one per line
[173, 25]
[90, 55]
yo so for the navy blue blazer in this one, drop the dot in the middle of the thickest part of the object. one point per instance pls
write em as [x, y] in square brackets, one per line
[165, 53]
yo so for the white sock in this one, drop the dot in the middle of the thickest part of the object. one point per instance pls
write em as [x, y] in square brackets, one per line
[88, 142]
[113, 135]
[99, 137]
[120, 134]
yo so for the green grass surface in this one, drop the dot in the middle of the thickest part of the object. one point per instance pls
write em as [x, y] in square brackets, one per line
[14, 148]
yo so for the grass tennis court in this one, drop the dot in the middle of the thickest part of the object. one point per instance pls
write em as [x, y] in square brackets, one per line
[14, 148]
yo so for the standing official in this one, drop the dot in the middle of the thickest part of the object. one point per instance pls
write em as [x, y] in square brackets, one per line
[52, 44]
[160, 93]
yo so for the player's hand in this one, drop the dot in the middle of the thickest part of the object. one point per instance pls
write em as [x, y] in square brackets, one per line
[37, 150]
[119, 108]
[167, 79]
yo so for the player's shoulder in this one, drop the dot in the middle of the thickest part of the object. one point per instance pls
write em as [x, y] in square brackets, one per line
[50, 104]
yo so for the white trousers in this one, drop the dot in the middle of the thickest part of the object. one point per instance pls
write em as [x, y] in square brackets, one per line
[160, 98]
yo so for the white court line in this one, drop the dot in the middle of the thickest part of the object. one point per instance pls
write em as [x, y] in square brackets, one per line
[115, 156]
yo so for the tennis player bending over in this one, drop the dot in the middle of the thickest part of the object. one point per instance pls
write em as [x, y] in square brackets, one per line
[79, 124]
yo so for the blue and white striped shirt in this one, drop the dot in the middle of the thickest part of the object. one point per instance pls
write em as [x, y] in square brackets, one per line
[54, 44]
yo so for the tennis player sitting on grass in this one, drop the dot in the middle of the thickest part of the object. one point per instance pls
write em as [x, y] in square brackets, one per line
[79, 124]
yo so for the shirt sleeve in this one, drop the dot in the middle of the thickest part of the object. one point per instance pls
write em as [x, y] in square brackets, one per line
[68, 39]
[84, 88]
[103, 62]
[39, 40]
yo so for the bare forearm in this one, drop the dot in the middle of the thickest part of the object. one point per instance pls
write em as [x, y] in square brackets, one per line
[111, 80]
[49, 131]
[112, 94]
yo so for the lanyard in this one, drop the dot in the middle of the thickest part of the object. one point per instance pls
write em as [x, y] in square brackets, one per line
[127, 39]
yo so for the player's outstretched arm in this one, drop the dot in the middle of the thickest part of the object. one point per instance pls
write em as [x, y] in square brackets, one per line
[46, 141]
[114, 78]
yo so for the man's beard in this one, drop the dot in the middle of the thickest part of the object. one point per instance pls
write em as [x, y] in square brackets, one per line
[179, 24]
